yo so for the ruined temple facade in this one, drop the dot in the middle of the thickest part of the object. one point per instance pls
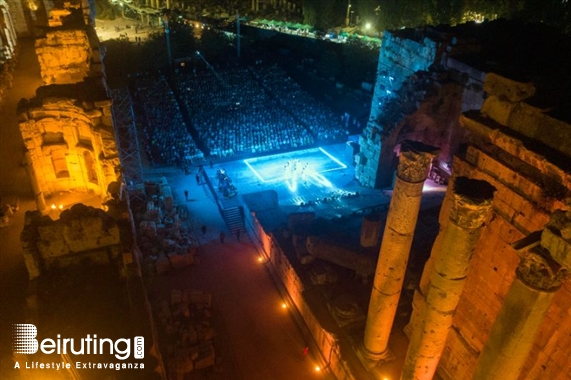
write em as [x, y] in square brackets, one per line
[68, 127]
[81, 234]
[8, 38]
[494, 297]
[420, 92]
[523, 151]
[70, 145]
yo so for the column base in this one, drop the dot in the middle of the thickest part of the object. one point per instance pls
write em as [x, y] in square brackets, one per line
[370, 360]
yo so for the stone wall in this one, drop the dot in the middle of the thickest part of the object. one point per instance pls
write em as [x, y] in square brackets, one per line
[530, 187]
[69, 51]
[326, 341]
[82, 233]
[399, 58]
[18, 12]
[420, 92]
[64, 56]
[70, 144]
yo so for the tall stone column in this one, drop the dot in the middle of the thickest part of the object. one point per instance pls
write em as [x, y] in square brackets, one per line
[472, 202]
[542, 269]
[414, 163]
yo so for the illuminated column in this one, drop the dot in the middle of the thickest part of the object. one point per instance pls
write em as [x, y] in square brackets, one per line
[539, 275]
[40, 200]
[414, 162]
[472, 202]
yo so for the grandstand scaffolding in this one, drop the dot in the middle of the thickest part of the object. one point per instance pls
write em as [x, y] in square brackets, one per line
[126, 137]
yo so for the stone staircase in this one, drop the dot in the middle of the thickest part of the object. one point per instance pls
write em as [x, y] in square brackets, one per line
[234, 218]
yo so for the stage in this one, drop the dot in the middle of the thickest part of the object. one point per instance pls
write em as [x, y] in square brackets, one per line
[320, 180]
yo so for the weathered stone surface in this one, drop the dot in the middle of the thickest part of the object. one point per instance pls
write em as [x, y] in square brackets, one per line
[66, 148]
[509, 89]
[444, 279]
[328, 251]
[82, 232]
[414, 161]
[63, 56]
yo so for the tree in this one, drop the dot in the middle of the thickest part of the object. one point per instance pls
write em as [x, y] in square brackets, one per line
[324, 14]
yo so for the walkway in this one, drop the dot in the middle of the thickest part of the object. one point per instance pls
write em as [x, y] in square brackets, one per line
[256, 337]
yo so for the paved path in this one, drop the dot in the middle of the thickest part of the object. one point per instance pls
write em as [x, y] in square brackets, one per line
[257, 338]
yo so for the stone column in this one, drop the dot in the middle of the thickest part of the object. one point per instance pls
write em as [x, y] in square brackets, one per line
[414, 163]
[451, 259]
[539, 275]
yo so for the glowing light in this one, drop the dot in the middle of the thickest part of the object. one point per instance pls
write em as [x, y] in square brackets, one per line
[53, 206]
[60, 207]
[260, 259]
[342, 165]
[284, 306]
[317, 368]
[321, 179]
[254, 171]
[295, 168]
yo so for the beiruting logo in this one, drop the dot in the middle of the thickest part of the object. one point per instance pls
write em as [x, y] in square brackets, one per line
[25, 342]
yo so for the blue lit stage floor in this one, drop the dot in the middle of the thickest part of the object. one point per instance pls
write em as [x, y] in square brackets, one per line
[329, 191]
[320, 180]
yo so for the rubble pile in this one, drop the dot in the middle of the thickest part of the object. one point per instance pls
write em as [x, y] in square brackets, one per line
[164, 242]
[186, 332]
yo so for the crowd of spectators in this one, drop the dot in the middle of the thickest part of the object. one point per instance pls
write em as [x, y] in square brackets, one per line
[233, 115]
[168, 140]
[324, 125]
[235, 111]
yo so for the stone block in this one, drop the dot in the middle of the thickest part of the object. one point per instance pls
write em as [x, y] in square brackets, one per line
[199, 299]
[206, 356]
[205, 333]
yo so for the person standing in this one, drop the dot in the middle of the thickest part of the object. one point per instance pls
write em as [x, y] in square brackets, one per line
[238, 234]
[222, 237]
[186, 195]
[198, 179]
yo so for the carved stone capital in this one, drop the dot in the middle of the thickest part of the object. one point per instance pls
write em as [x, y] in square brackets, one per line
[472, 202]
[414, 161]
[556, 237]
[537, 270]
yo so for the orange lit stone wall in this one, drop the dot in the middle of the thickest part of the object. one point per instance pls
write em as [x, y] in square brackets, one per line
[70, 145]
[64, 56]
[325, 340]
[81, 233]
[529, 188]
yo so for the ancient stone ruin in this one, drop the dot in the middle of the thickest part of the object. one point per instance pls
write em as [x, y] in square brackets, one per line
[81, 234]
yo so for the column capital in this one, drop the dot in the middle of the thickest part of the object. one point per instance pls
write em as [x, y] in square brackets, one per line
[414, 161]
[539, 271]
[556, 237]
[472, 202]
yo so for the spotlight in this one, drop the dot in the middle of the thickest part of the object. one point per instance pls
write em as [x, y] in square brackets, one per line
[317, 368]
[284, 306]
